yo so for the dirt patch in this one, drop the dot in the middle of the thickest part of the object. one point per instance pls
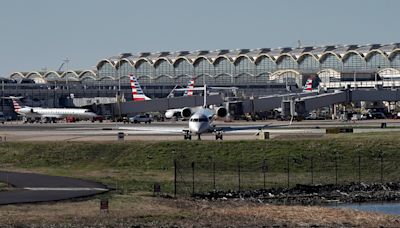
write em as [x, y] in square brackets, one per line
[138, 209]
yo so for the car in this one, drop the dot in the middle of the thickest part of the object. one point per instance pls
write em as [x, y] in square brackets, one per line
[144, 118]
[374, 115]
[3, 118]
[98, 118]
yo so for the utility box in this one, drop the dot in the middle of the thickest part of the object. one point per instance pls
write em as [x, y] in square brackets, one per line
[121, 136]
[263, 135]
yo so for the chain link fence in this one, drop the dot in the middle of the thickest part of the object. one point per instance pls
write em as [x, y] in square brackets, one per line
[283, 172]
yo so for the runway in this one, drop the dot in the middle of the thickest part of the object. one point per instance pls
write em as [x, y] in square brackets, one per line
[32, 188]
[158, 131]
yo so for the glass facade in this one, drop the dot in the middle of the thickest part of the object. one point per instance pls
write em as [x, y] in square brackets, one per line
[265, 65]
[255, 67]
[353, 62]
[308, 63]
[144, 68]
[106, 69]
[203, 67]
[163, 68]
[395, 60]
[183, 67]
[331, 61]
[244, 65]
[223, 66]
[286, 62]
[376, 61]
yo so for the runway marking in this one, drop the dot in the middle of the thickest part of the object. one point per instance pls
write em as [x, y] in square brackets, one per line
[65, 189]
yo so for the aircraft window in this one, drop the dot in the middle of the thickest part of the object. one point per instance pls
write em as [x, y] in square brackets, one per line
[195, 120]
[204, 119]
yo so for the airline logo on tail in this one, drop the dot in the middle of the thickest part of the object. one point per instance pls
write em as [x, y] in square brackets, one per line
[190, 87]
[16, 103]
[17, 106]
[137, 92]
[308, 86]
[311, 84]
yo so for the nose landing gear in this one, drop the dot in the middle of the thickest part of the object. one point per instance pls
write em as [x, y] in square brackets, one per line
[187, 135]
[218, 135]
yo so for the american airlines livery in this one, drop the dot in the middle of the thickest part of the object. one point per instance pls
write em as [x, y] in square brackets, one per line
[308, 87]
[50, 114]
[137, 92]
[138, 95]
[186, 111]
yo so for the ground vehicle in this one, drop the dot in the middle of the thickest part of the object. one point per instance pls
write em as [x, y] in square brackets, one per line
[146, 118]
[2, 118]
[98, 118]
[374, 115]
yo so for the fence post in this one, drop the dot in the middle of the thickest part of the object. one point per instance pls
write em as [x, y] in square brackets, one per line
[336, 170]
[312, 171]
[239, 176]
[381, 168]
[214, 175]
[175, 170]
[264, 171]
[288, 171]
[359, 169]
[192, 178]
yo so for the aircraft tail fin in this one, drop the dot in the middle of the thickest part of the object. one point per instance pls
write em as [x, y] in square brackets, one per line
[17, 104]
[308, 86]
[190, 87]
[137, 92]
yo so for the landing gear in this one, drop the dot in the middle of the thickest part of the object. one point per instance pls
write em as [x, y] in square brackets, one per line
[187, 135]
[218, 135]
[198, 137]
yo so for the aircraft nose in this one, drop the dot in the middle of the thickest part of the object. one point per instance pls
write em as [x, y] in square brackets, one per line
[194, 127]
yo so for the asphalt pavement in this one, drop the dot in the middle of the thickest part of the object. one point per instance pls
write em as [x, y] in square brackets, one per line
[32, 188]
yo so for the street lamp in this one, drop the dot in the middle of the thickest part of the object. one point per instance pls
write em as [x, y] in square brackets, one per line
[66, 61]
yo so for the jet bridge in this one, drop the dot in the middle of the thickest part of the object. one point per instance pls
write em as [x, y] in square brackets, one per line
[162, 104]
[304, 105]
[271, 102]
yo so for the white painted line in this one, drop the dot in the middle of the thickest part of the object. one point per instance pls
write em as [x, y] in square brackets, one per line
[65, 189]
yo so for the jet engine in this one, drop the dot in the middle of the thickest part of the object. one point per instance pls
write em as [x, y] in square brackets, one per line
[221, 112]
[169, 114]
[186, 112]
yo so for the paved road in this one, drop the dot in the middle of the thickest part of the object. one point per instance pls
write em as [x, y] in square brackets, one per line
[87, 131]
[31, 188]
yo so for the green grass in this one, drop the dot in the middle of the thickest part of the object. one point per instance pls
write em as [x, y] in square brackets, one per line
[136, 166]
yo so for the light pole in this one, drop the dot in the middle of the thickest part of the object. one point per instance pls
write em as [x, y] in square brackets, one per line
[66, 61]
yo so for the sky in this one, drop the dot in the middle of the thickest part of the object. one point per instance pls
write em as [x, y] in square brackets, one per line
[40, 34]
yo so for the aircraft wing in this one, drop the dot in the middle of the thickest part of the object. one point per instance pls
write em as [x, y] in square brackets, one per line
[152, 130]
[51, 116]
[243, 128]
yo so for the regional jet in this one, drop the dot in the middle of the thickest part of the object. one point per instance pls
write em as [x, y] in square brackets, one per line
[49, 114]
[201, 121]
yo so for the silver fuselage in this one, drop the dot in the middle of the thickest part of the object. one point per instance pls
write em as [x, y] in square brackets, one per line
[200, 122]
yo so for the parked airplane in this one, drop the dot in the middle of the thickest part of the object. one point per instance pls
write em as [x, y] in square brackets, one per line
[308, 87]
[49, 114]
[186, 111]
[137, 92]
[138, 95]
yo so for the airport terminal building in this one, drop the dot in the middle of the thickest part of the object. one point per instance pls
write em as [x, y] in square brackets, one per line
[255, 72]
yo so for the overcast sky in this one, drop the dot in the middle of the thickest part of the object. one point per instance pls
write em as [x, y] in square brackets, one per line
[38, 34]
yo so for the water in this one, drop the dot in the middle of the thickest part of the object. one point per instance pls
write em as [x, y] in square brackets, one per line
[383, 207]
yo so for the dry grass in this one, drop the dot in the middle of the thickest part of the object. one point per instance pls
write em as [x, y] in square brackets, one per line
[139, 209]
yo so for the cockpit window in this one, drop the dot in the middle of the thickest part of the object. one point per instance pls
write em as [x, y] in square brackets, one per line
[203, 119]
